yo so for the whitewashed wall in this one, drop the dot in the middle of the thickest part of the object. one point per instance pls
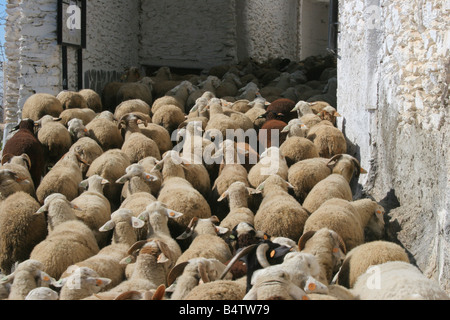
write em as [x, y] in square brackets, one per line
[393, 80]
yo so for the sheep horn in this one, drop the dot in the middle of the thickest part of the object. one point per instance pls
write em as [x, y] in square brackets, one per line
[261, 255]
[334, 158]
[175, 272]
[6, 157]
[239, 255]
[202, 271]
[158, 295]
[26, 157]
[122, 118]
[304, 238]
[189, 229]
[137, 245]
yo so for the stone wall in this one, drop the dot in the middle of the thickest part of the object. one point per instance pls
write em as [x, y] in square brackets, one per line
[187, 34]
[394, 72]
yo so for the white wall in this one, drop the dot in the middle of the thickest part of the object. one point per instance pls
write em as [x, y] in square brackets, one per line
[393, 78]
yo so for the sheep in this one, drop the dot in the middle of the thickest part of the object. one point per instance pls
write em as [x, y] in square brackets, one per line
[248, 91]
[90, 149]
[328, 248]
[21, 229]
[348, 219]
[305, 174]
[136, 145]
[150, 258]
[4, 288]
[336, 184]
[280, 109]
[238, 194]
[179, 194]
[71, 99]
[295, 149]
[218, 120]
[258, 109]
[107, 261]
[329, 113]
[105, 132]
[271, 162]
[188, 275]
[178, 96]
[210, 84]
[85, 114]
[55, 138]
[27, 276]
[81, 283]
[206, 241]
[76, 129]
[93, 100]
[141, 90]
[397, 280]
[136, 179]
[64, 177]
[153, 294]
[158, 134]
[41, 104]
[157, 215]
[276, 285]
[136, 203]
[42, 293]
[271, 133]
[360, 258]
[229, 85]
[329, 140]
[110, 165]
[69, 240]
[24, 140]
[17, 174]
[275, 89]
[218, 290]
[130, 106]
[279, 214]
[94, 207]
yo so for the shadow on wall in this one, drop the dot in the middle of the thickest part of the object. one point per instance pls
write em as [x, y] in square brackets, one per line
[96, 79]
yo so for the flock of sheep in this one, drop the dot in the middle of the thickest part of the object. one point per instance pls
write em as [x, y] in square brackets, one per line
[141, 193]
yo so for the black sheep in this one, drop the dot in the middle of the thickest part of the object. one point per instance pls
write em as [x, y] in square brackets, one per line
[24, 140]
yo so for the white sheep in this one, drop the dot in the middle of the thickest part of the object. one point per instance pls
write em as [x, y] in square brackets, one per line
[328, 248]
[104, 131]
[21, 165]
[186, 275]
[397, 280]
[20, 229]
[348, 219]
[179, 194]
[27, 276]
[81, 283]
[42, 293]
[86, 115]
[136, 179]
[271, 162]
[64, 177]
[69, 240]
[41, 104]
[360, 258]
[206, 241]
[238, 194]
[279, 214]
[94, 207]
[90, 149]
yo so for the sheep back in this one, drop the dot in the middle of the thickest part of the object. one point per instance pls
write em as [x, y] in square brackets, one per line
[296, 149]
[218, 290]
[333, 186]
[41, 104]
[360, 258]
[21, 229]
[67, 244]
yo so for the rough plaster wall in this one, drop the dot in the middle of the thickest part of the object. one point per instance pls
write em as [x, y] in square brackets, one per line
[269, 29]
[188, 33]
[33, 55]
[313, 28]
[393, 93]
[112, 40]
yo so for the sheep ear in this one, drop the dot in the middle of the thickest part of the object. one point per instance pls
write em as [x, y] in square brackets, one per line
[314, 286]
[223, 196]
[142, 216]
[7, 279]
[173, 214]
[104, 181]
[137, 223]
[98, 281]
[290, 185]
[261, 186]
[109, 225]
[75, 207]
[84, 184]
[149, 177]
[122, 179]
[42, 209]
[46, 279]
[286, 128]
[162, 258]
[127, 260]
[221, 230]
[253, 191]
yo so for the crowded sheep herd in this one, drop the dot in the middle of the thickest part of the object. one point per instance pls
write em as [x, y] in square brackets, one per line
[234, 183]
